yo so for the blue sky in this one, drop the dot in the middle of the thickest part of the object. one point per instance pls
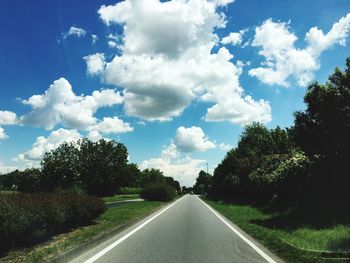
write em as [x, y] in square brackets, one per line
[175, 81]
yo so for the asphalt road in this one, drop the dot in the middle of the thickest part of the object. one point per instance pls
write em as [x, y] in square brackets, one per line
[188, 231]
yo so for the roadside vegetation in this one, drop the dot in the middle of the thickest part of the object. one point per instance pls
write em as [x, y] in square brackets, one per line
[292, 183]
[158, 192]
[111, 219]
[288, 236]
[27, 219]
[63, 194]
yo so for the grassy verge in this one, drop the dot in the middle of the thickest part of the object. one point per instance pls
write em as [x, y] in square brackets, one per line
[109, 220]
[120, 198]
[290, 243]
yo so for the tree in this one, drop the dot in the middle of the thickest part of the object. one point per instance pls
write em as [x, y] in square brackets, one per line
[256, 144]
[60, 168]
[323, 130]
[132, 176]
[152, 176]
[101, 165]
[203, 183]
[172, 182]
[29, 180]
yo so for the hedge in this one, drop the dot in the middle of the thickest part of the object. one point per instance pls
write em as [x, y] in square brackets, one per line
[26, 219]
[158, 192]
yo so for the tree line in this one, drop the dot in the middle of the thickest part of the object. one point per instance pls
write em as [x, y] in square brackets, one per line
[96, 168]
[304, 167]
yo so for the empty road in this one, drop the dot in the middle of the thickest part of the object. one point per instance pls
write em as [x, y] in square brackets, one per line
[186, 231]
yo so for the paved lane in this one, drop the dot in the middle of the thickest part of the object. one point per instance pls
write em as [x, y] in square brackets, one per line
[186, 232]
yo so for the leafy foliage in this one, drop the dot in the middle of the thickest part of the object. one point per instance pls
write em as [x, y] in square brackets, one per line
[97, 168]
[29, 218]
[323, 131]
[304, 167]
[203, 183]
[158, 192]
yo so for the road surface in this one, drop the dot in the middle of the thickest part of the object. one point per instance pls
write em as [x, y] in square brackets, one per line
[186, 231]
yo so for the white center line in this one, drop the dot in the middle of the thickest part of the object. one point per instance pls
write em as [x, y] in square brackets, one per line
[250, 243]
[123, 238]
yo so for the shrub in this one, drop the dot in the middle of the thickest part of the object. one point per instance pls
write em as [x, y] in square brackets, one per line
[129, 190]
[158, 192]
[281, 176]
[29, 218]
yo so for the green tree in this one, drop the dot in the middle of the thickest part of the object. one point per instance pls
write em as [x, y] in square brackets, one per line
[101, 165]
[60, 168]
[152, 176]
[29, 180]
[323, 131]
[203, 183]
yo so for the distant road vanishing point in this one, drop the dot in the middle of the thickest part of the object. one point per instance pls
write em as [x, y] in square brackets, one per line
[187, 230]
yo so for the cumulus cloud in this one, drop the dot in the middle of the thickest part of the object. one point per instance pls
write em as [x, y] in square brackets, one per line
[184, 169]
[166, 61]
[192, 139]
[8, 118]
[2, 134]
[60, 105]
[225, 147]
[74, 31]
[43, 144]
[283, 60]
[5, 168]
[234, 38]
[112, 125]
[95, 63]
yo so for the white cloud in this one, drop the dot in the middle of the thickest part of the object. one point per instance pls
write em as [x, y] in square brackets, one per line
[240, 111]
[94, 135]
[2, 134]
[112, 44]
[8, 118]
[192, 139]
[94, 38]
[43, 144]
[95, 63]
[113, 125]
[59, 105]
[184, 170]
[234, 38]
[74, 31]
[115, 38]
[5, 168]
[283, 60]
[170, 152]
[225, 147]
[166, 61]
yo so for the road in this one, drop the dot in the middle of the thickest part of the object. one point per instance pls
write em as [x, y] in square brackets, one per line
[187, 231]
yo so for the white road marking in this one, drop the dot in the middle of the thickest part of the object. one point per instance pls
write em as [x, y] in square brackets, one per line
[123, 238]
[250, 243]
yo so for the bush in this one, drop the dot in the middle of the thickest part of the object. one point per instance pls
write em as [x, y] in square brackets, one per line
[129, 190]
[158, 192]
[29, 218]
[283, 177]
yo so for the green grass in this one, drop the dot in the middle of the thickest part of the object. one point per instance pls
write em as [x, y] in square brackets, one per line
[271, 233]
[109, 220]
[120, 197]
